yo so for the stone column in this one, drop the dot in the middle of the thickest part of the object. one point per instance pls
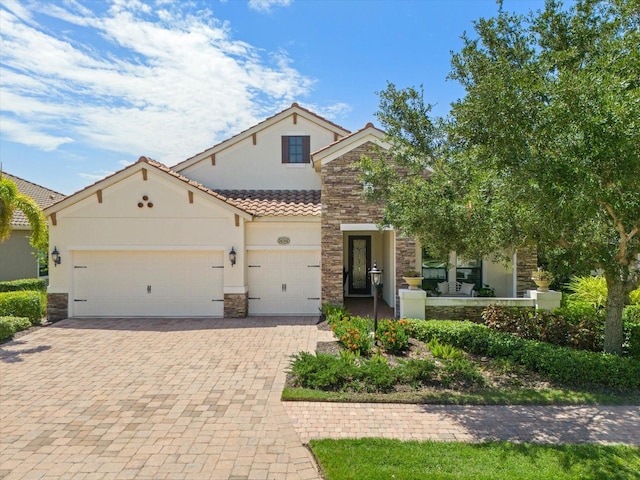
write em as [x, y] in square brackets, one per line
[527, 261]
[236, 305]
[57, 306]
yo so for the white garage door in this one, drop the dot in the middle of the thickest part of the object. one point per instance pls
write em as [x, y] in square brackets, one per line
[284, 282]
[143, 283]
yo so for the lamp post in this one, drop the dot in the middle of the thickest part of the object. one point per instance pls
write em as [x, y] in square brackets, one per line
[376, 276]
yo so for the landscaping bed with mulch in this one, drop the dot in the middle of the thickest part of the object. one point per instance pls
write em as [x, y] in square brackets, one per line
[452, 376]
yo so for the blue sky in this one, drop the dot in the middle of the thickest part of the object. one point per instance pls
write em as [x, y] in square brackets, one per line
[87, 87]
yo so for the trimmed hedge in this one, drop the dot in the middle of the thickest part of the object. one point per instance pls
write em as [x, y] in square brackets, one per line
[37, 284]
[10, 325]
[562, 364]
[584, 332]
[22, 304]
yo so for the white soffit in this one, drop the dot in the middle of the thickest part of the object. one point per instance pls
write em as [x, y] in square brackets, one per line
[362, 227]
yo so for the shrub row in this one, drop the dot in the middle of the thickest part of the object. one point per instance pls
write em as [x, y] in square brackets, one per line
[584, 332]
[37, 284]
[349, 373]
[22, 304]
[10, 325]
[562, 364]
[576, 326]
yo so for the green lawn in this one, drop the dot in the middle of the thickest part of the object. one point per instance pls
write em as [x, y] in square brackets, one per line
[378, 459]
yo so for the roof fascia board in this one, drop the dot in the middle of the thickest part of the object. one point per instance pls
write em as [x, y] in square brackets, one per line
[339, 148]
[301, 112]
[92, 189]
[129, 172]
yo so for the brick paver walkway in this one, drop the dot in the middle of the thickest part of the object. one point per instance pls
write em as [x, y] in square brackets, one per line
[557, 424]
[194, 399]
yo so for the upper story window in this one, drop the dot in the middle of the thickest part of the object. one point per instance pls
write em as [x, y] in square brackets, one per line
[296, 149]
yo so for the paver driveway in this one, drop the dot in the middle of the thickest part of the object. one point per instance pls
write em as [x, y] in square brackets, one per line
[152, 398]
[180, 398]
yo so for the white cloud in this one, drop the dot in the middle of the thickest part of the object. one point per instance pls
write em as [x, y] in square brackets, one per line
[31, 136]
[96, 177]
[334, 111]
[265, 5]
[17, 9]
[134, 80]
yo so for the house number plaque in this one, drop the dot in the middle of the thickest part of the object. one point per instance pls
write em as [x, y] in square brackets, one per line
[284, 240]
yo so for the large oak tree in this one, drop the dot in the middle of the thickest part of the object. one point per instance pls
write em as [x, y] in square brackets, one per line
[542, 150]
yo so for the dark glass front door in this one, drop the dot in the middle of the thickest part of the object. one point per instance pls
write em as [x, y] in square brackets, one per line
[359, 265]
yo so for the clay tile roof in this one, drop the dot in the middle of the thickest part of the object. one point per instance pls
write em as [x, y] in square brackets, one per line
[264, 203]
[43, 197]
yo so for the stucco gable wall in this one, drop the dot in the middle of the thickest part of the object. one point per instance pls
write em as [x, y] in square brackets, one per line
[343, 203]
[171, 222]
[245, 166]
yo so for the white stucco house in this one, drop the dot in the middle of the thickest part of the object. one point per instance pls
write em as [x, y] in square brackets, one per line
[268, 222]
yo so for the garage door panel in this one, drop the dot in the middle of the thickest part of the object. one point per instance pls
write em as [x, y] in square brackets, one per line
[284, 282]
[116, 283]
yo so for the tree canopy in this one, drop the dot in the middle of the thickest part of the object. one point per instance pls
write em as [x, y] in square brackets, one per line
[10, 201]
[543, 149]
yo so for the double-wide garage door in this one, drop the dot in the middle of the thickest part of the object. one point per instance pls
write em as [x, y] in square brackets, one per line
[283, 282]
[148, 283]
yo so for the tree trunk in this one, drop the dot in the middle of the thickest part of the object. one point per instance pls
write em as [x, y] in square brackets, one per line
[617, 292]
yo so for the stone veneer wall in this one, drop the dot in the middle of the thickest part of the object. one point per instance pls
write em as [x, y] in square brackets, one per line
[236, 305]
[57, 306]
[342, 202]
[527, 261]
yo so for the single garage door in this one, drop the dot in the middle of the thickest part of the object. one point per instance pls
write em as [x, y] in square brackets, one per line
[284, 282]
[148, 283]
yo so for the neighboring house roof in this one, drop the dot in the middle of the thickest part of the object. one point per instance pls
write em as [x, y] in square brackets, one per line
[43, 196]
[294, 109]
[263, 203]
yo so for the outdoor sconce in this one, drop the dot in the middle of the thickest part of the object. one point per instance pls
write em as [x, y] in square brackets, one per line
[55, 255]
[232, 256]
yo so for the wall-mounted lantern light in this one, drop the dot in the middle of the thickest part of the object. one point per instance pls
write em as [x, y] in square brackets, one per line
[232, 256]
[55, 256]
